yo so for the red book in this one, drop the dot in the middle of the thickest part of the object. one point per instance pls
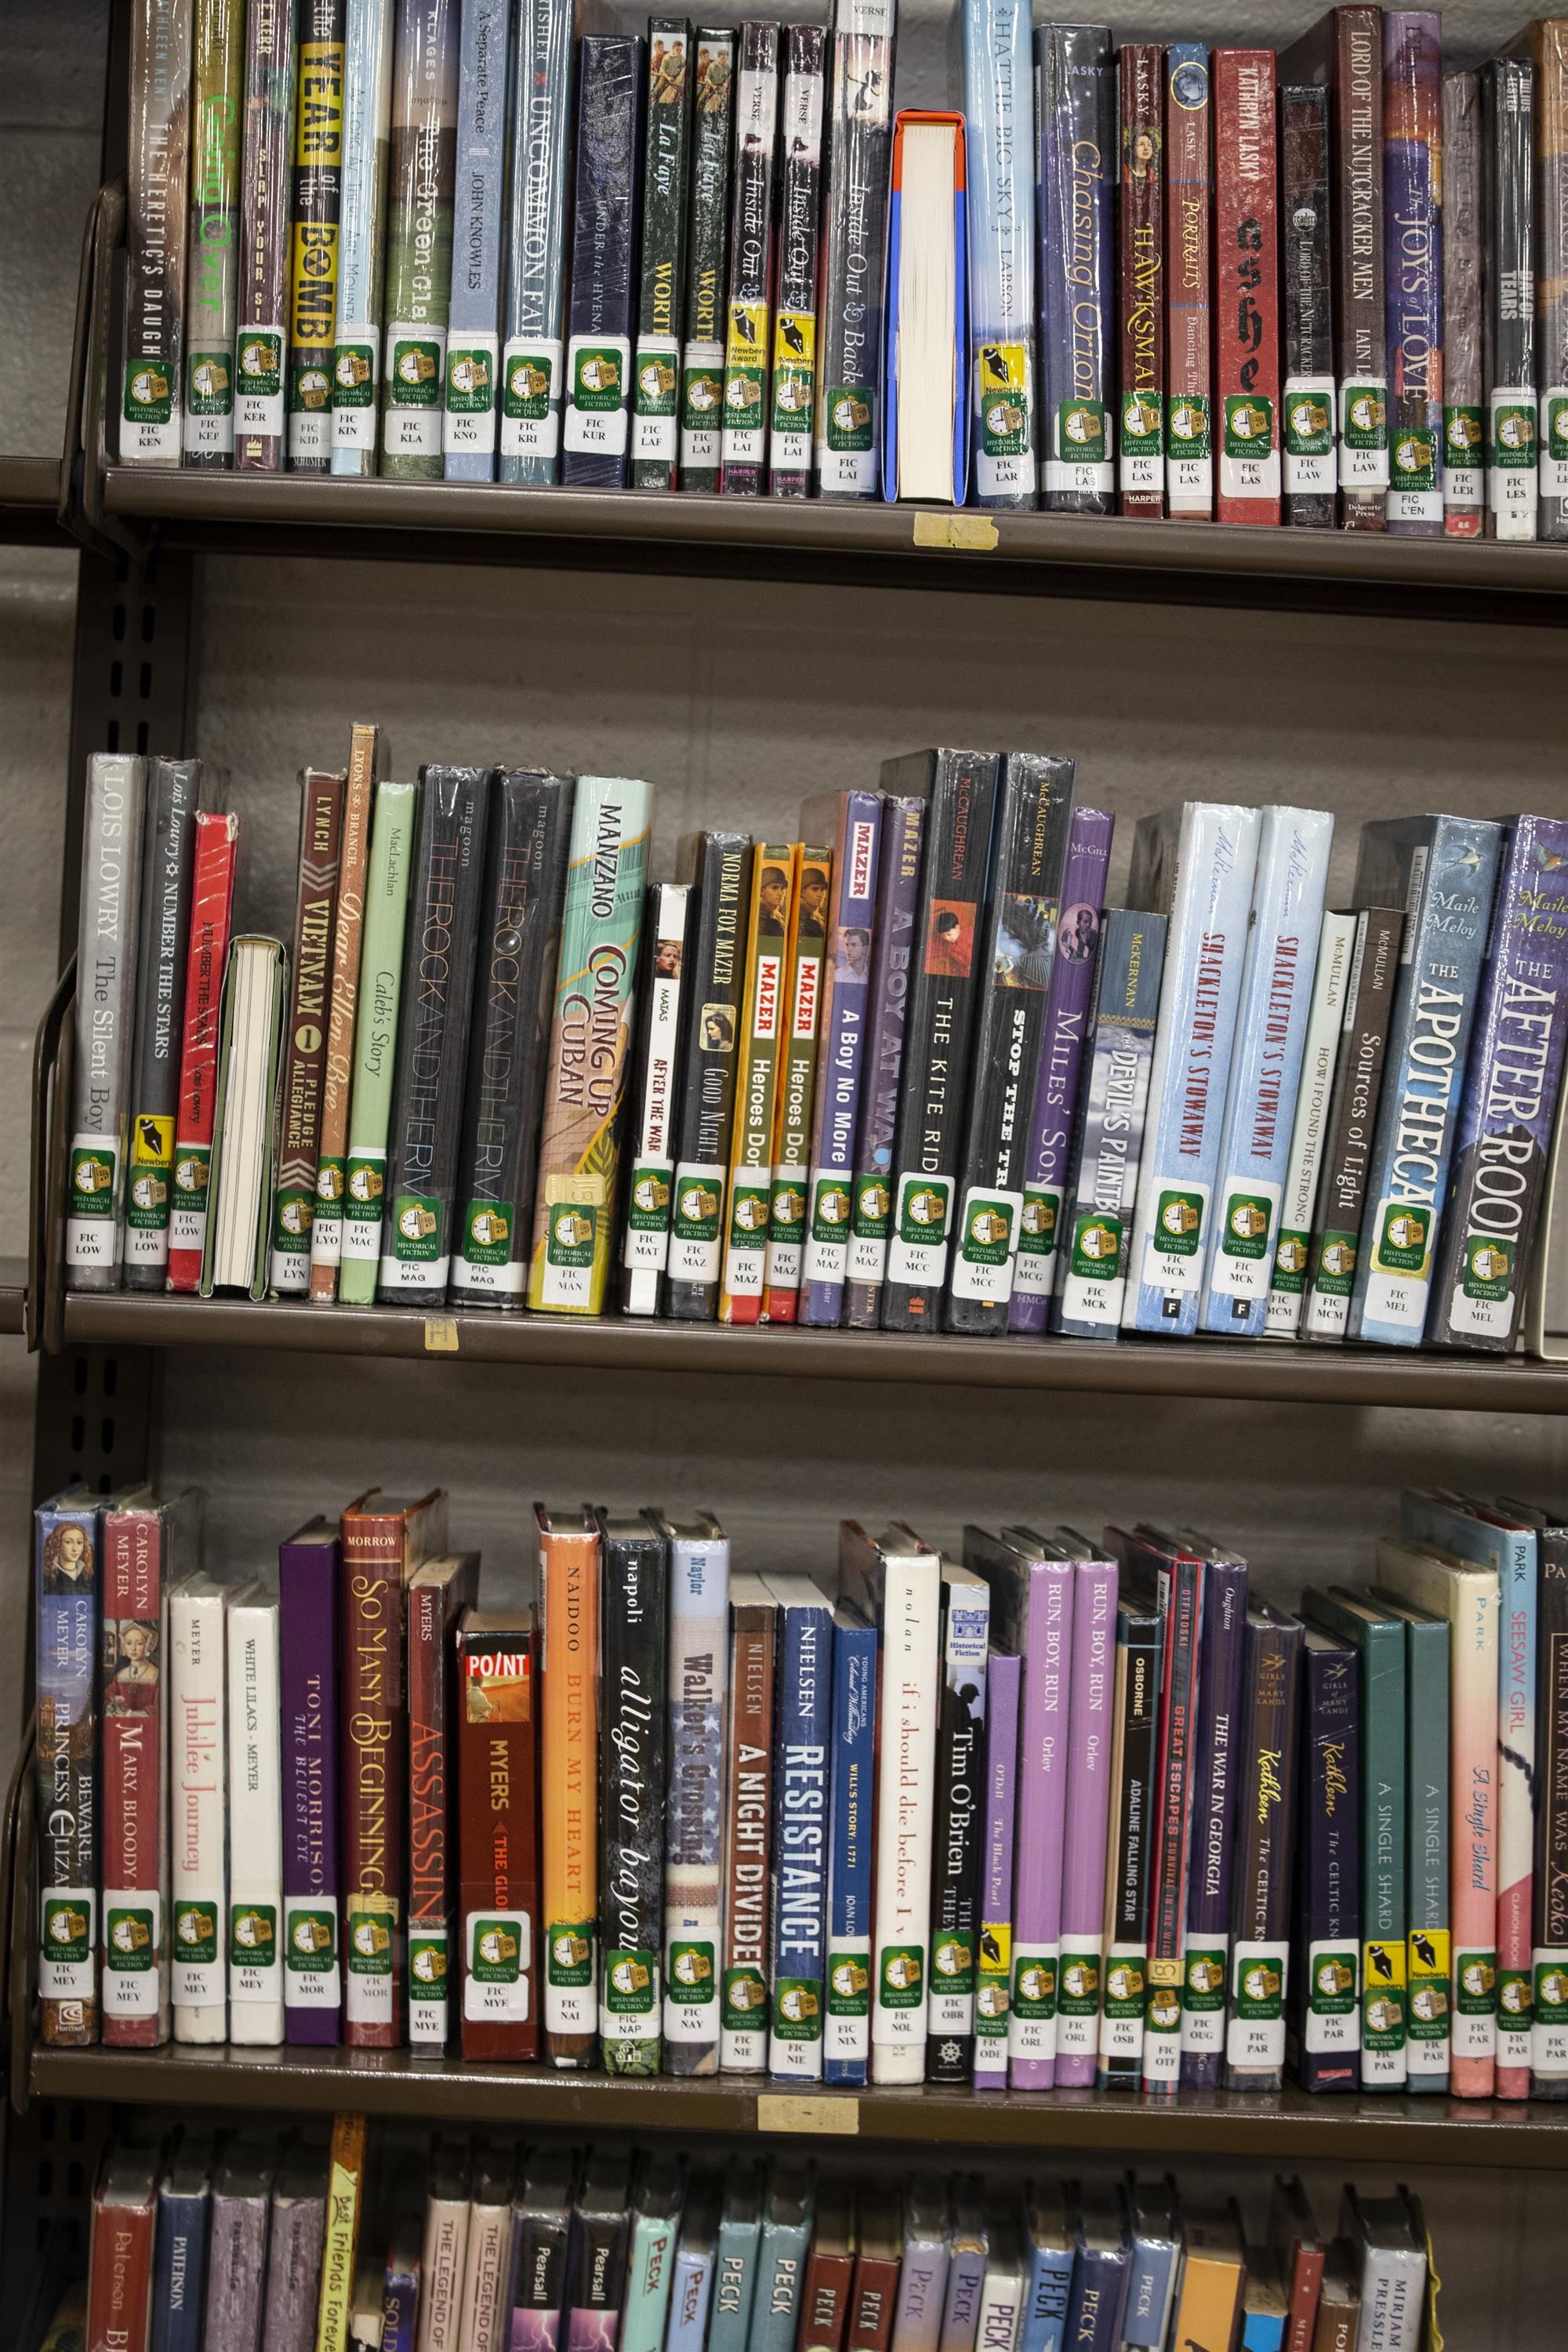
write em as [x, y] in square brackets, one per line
[212, 906]
[1142, 230]
[829, 2273]
[1247, 286]
[438, 1592]
[748, 1814]
[119, 2267]
[875, 2295]
[498, 1857]
[1293, 2235]
[382, 1542]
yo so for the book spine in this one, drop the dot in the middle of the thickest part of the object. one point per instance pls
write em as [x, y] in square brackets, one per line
[1188, 1081]
[910, 1627]
[1384, 2062]
[1325, 1023]
[168, 861]
[1120, 2065]
[1413, 269]
[758, 1055]
[157, 179]
[1205, 1951]
[1043, 1755]
[1353, 1121]
[780, 2276]
[261, 353]
[519, 938]
[1085, 1829]
[797, 1087]
[495, 1814]
[294, 2271]
[392, 843]
[120, 2277]
[708, 1080]
[1508, 319]
[851, 1881]
[1021, 932]
[1307, 420]
[595, 422]
[1517, 1782]
[957, 1832]
[1451, 884]
[826, 2292]
[362, 220]
[874, 2300]
[105, 1018]
[798, 1894]
[305, 1039]
[1140, 223]
[1548, 1955]
[897, 894]
[1428, 1953]
[1246, 287]
[473, 336]
[1189, 279]
[1508, 1108]
[340, 2250]
[569, 1568]
[632, 1768]
[707, 261]
[315, 193]
[922, 2287]
[1170, 1822]
[1074, 964]
[421, 172]
[693, 1885]
[748, 1814]
[1549, 42]
[1266, 1069]
[308, 1631]
[1464, 461]
[998, 101]
[255, 1827]
[666, 156]
[994, 1959]
[743, 446]
[939, 1041]
[965, 2285]
[373, 1772]
[1362, 324]
[1107, 1137]
[537, 193]
[1260, 1956]
[237, 2262]
[446, 2220]
[212, 895]
[432, 1776]
[841, 1057]
[645, 1241]
[595, 991]
[539, 2279]
[439, 952]
[734, 2286]
[1325, 2004]
[179, 2300]
[211, 271]
[1076, 170]
[791, 398]
[849, 423]
[337, 1070]
[135, 1948]
[198, 1768]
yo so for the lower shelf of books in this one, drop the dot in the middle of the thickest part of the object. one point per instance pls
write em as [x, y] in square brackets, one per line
[1277, 2126]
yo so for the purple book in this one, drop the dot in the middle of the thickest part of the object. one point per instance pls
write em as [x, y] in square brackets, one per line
[965, 2269]
[1061, 1057]
[1205, 1951]
[1092, 1714]
[1004, 1678]
[1031, 1612]
[854, 823]
[308, 1644]
[1413, 267]
[400, 2301]
[897, 902]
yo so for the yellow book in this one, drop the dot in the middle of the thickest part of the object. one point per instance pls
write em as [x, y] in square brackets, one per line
[1213, 2276]
[775, 867]
[340, 2249]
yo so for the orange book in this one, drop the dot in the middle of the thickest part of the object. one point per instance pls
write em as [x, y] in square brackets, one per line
[1214, 2273]
[775, 872]
[569, 1780]
[797, 1084]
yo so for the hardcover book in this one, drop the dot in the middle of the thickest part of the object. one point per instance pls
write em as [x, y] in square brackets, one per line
[1464, 451]
[157, 182]
[260, 354]
[1413, 197]
[535, 282]
[1266, 1829]
[439, 1591]
[1320, 1053]
[693, 1851]
[797, 1892]
[1429, 1954]
[1179, 1572]
[1508, 325]
[597, 413]
[1547, 43]
[1140, 224]
[1246, 287]
[1549, 1958]
[70, 1642]
[337, 1069]
[309, 1570]
[632, 1768]
[787, 2216]
[736, 2261]
[473, 334]
[855, 821]
[198, 1770]
[707, 259]
[422, 166]
[120, 2272]
[1107, 1145]
[254, 1825]
[1353, 1121]
[1076, 169]
[994, 1963]
[791, 403]
[375, 1038]
[175, 794]
[957, 1825]
[998, 98]
[314, 195]
[849, 423]
[1085, 1828]
[759, 1049]
[851, 1880]
[105, 1017]
[893, 943]
[212, 898]
[498, 1898]
[1324, 2021]
[1216, 1808]
[179, 2279]
[657, 2195]
[145, 1548]
[368, 30]
[922, 2276]
[305, 1033]
[1189, 282]
[796, 1084]
[1125, 1942]
[661, 287]
[656, 1078]
[244, 1133]
[236, 2252]
[748, 1822]
[569, 1621]
[1308, 413]
[720, 865]
[748, 339]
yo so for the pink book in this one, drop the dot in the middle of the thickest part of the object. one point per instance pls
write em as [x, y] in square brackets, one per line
[1088, 1795]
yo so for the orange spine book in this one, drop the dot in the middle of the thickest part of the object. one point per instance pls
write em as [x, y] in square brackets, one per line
[568, 1775]
[498, 1858]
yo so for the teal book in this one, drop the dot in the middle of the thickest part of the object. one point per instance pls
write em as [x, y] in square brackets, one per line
[393, 829]
[1428, 1997]
[737, 2260]
[1378, 1638]
[650, 2257]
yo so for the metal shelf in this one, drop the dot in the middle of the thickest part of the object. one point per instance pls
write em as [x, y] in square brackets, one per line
[1233, 2125]
[806, 540]
[12, 1294]
[1192, 1368]
[29, 502]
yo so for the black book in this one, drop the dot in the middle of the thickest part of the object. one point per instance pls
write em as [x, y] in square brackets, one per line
[601, 311]
[596, 2274]
[720, 865]
[633, 1712]
[1323, 2040]
[1266, 1829]
[1352, 1123]
[794, 392]
[959, 1833]
[1017, 954]
[749, 317]
[541, 2233]
[163, 933]
[654, 1098]
[667, 158]
[1507, 319]
[939, 1029]
[1133, 1798]
[437, 998]
[707, 259]
[1306, 285]
[514, 996]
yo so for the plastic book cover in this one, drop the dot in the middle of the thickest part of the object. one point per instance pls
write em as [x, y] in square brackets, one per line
[438, 1592]
[999, 105]
[211, 271]
[1428, 1964]
[1104, 2256]
[254, 1830]
[759, 1052]
[157, 181]
[694, 1823]
[260, 351]
[893, 948]
[1352, 1121]
[309, 1568]
[237, 2249]
[1189, 282]
[795, 1092]
[707, 258]
[654, 1088]
[596, 2271]
[801, 1826]
[293, 1204]
[787, 2217]
[571, 1600]
[1051, 2254]
[541, 2223]
[1266, 1831]
[793, 394]
[748, 1822]
[70, 1642]
[856, 829]
[965, 2267]
[957, 1826]
[720, 865]
[198, 1781]
[422, 166]
[345, 2191]
[497, 1866]
[851, 1881]
[368, 28]
[849, 439]
[1413, 269]
[180, 2260]
[597, 415]
[1308, 403]
[1140, 224]
[662, 281]
[244, 1133]
[633, 1675]
[348, 939]
[994, 1959]
[1547, 43]
[1508, 325]
[1154, 2217]
[737, 2261]
[922, 2275]
[174, 795]
[748, 334]
[1548, 2042]
[1106, 1144]
[1086, 1831]
[1324, 2025]
[392, 843]
[212, 899]
[1309, 1128]
[1205, 1950]
[473, 336]
[105, 1020]
[535, 279]
[657, 2197]
[1178, 1571]
[315, 193]
[1125, 1942]
[1076, 170]
[1246, 287]
[1214, 2274]
[1464, 454]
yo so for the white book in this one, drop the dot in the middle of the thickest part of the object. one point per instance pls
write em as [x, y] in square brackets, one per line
[198, 1872]
[898, 1583]
[446, 2251]
[243, 1132]
[694, 1816]
[105, 1019]
[1392, 2272]
[256, 1826]
[1000, 2322]
[1325, 1019]
[481, 2327]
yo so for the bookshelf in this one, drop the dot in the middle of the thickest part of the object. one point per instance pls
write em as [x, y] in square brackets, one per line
[29, 503]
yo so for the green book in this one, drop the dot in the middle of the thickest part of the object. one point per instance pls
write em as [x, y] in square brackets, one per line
[1429, 1999]
[392, 830]
[661, 300]
[1378, 1640]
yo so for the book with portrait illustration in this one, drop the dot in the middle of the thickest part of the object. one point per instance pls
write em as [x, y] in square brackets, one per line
[497, 1856]
[719, 865]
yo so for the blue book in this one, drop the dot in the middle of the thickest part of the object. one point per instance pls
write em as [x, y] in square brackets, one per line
[400, 2294]
[1108, 1143]
[179, 2268]
[781, 2262]
[473, 333]
[1441, 870]
[847, 2028]
[1103, 2259]
[999, 111]
[1076, 169]
[1052, 2253]
[802, 1721]
[1195, 864]
[967, 2250]
[692, 2289]
[650, 2255]
[1281, 964]
[535, 290]
[1156, 2258]
[737, 2262]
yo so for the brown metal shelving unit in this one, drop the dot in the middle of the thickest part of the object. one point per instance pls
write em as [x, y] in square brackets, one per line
[29, 503]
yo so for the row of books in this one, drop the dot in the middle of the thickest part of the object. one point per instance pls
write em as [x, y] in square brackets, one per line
[370, 235]
[909, 1072]
[1066, 1813]
[399, 2245]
